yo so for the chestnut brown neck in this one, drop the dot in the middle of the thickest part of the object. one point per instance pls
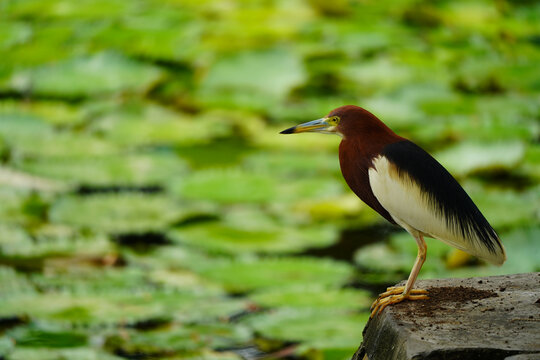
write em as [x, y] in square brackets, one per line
[363, 141]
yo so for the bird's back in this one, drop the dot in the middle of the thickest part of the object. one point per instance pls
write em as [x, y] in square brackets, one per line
[420, 193]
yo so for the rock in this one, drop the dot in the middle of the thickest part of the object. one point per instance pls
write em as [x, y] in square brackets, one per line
[478, 318]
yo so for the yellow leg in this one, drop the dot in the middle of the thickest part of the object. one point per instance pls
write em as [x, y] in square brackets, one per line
[394, 295]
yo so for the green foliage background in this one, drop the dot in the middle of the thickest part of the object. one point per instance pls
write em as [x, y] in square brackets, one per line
[150, 210]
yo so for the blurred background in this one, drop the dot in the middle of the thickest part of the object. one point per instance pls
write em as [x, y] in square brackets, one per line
[150, 210]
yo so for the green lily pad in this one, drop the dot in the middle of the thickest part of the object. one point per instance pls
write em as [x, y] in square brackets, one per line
[15, 126]
[53, 9]
[522, 250]
[226, 186]
[270, 73]
[396, 113]
[15, 243]
[31, 136]
[154, 125]
[531, 165]
[313, 296]
[213, 355]
[377, 74]
[14, 33]
[34, 337]
[143, 169]
[293, 163]
[52, 112]
[115, 308]
[246, 275]
[116, 213]
[231, 239]
[315, 328]
[466, 158]
[310, 189]
[86, 76]
[13, 283]
[82, 353]
[177, 339]
[495, 204]
[179, 35]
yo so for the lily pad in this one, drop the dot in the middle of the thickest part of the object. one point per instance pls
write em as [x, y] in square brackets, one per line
[144, 169]
[86, 76]
[315, 328]
[466, 158]
[270, 73]
[115, 307]
[313, 296]
[116, 213]
[154, 125]
[82, 353]
[495, 205]
[293, 163]
[230, 239]
[226, 186]
[34, 337]
[380, 73]
[13, 283]
[31, 136]
[15, 243]
[52, 112]
[246, 275]
[178, 339]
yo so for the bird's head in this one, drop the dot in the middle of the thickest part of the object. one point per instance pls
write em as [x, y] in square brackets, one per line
[344, 121]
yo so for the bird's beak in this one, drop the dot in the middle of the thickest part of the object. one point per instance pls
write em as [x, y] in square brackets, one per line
[319, 125]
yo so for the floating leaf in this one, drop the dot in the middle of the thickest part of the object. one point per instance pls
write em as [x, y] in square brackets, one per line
[35, 337]
[230, 239]
[245, 275]
[495, 204]
[466, 158]
[315, 328]
[143, 169]
[32, 136]
[15, 243]
[83, 353]
[128, 213]
[377, 74]
[84, 10]
[270, 73]
[12, 283]
[313, 296]
[16, 126]
[52, 112]
[293, 163]
[14, 33]
[183, 338]
[226, 186]
[213, 355]
[119, 307]
[86, 76]
[154, 125]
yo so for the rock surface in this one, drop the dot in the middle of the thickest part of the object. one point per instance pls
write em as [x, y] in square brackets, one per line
[478, 318]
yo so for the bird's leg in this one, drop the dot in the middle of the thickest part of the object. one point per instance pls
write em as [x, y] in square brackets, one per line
[394, 295]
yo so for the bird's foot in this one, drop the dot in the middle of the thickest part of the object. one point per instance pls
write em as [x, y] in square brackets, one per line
[394, 295]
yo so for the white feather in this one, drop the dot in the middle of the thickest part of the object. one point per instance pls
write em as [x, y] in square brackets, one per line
[410, 208]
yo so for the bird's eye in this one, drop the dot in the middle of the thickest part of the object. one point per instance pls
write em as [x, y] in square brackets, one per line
[334, 120]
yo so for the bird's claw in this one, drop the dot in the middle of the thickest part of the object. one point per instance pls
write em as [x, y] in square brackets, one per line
[394, 295]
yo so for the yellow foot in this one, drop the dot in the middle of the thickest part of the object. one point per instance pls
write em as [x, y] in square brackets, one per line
[394, 295]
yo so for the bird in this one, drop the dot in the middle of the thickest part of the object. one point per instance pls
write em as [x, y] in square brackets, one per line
[407, 187]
